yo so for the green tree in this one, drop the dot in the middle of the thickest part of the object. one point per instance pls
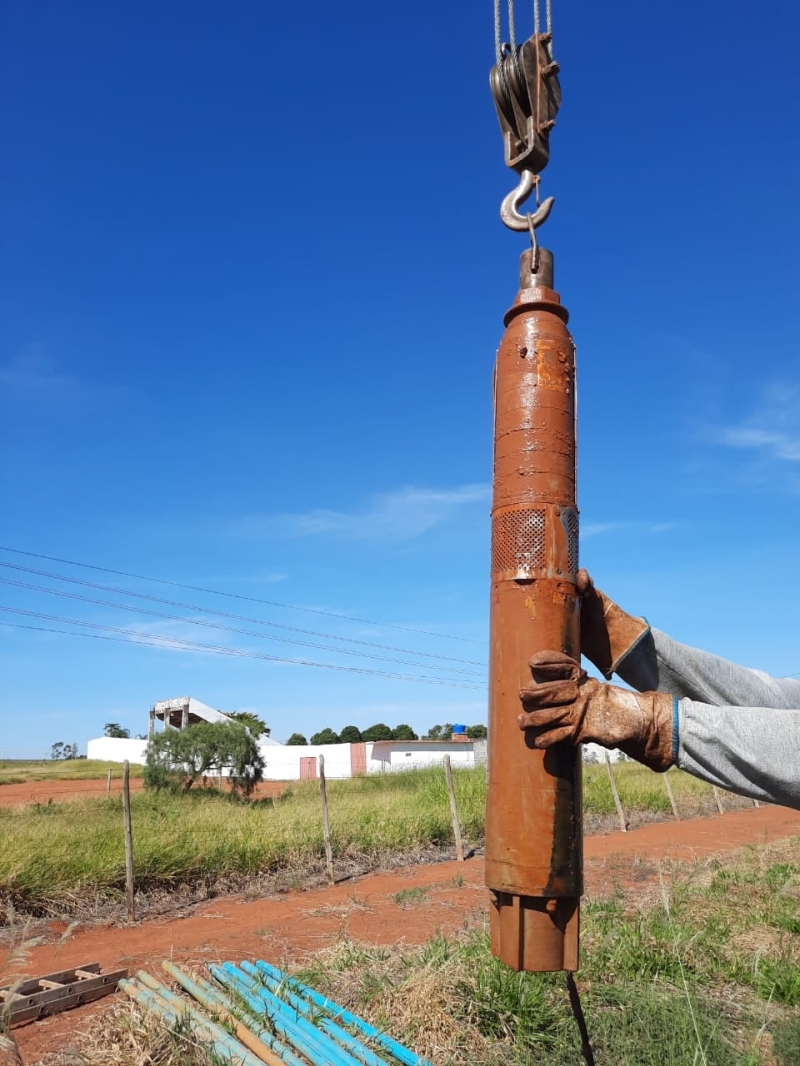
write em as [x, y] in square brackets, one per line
[114, 729]
[177, 757]
[351, 734]
[379, 731]
[404, 732]
[440, 732]
[257, 726]
[325, 736]
[477, 732]
[296, 739]
[60, 750]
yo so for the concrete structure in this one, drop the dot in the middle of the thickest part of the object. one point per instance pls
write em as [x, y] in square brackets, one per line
[182, 711]
[283, 762]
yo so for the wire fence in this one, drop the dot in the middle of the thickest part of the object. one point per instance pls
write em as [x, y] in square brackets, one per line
[58, 843]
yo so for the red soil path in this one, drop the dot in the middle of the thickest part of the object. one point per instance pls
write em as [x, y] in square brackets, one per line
[288, 927]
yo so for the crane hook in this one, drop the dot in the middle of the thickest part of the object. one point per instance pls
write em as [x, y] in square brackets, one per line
[510, 207]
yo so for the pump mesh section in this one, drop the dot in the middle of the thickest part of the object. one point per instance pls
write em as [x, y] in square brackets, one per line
[572, 540]
[518, 540]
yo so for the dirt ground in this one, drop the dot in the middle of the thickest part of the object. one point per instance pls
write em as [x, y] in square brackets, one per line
[63, 791]
[286, 928]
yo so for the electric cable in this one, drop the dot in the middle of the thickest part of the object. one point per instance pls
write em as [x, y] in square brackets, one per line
[158, 641]
[238, 617]
[228, 629]
[239, 596]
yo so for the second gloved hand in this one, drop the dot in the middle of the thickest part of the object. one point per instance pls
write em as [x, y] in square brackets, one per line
[608, 633]
[565, 704]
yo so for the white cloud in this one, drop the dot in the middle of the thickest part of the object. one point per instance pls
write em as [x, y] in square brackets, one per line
[32, 371]
[33, 379]
[772, 431]
[398, 515]
[594, 529]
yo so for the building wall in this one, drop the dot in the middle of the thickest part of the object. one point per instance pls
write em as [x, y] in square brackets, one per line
[397, 755]
[116, 749]
[282, 763]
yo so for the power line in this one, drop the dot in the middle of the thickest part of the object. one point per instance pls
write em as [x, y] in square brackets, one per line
[228, 629]
[239, 596]
[226, 614]
[157, 641]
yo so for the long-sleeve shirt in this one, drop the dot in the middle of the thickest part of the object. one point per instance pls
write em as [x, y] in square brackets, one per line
[736, 727]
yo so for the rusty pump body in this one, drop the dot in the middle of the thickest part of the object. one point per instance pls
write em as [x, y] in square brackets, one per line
[534, 853]
[534, 861]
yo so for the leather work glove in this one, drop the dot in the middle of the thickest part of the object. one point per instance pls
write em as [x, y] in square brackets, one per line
[566, 704]
[607, 632]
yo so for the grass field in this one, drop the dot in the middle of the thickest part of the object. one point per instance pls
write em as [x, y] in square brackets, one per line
[67, 856]
[703, 972]
[18, 771]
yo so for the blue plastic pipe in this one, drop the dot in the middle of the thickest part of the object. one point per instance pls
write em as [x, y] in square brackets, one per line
[347, 1040]
[306, 1030]
[197, 1018]
[316, 1047]
[228, 1050]
[215, 1000]
[340, 1014]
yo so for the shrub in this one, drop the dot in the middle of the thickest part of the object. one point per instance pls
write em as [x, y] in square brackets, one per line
[176, 758]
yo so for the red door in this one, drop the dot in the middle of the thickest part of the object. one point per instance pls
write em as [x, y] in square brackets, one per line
[358, 758]
[308, 768]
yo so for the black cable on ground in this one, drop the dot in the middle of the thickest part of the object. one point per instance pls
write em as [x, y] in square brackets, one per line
[577, 1010]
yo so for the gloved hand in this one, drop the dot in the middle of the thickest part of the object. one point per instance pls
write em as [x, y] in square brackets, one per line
[607, 632]
[566, 704]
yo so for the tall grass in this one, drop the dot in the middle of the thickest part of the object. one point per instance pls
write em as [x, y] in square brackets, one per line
[707, 974]
[49, 852]
[52, 852]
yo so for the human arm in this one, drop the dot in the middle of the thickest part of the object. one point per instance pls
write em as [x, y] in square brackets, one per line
[749, 750]
[650, 661]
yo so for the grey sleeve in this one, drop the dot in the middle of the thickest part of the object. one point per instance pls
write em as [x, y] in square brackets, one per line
[754, 751]
[659, 664]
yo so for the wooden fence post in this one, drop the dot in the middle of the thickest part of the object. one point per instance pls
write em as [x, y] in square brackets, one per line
[108, 784]
[326, 825]
[622, 823]
[126, 817]
[718, 799]
[451, 792]
[671, 797]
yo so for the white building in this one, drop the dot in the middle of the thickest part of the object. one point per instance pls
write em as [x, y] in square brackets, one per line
[283, 762]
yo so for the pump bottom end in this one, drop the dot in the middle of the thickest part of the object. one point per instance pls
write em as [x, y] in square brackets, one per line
[535, 933]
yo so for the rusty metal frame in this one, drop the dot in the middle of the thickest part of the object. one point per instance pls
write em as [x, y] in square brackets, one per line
[36, 997]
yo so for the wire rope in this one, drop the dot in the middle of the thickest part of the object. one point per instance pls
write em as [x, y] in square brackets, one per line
[238, 596]
[227, 629]
[155, 640]
[227, 614]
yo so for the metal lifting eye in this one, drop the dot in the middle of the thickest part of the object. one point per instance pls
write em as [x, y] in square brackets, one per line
[510, 207]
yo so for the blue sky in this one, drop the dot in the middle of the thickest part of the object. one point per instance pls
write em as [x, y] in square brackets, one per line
[253, 279]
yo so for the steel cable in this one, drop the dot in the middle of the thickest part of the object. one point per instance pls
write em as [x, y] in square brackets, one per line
[237, 596]
[229, 629]
[158, 641]
[227, 614]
